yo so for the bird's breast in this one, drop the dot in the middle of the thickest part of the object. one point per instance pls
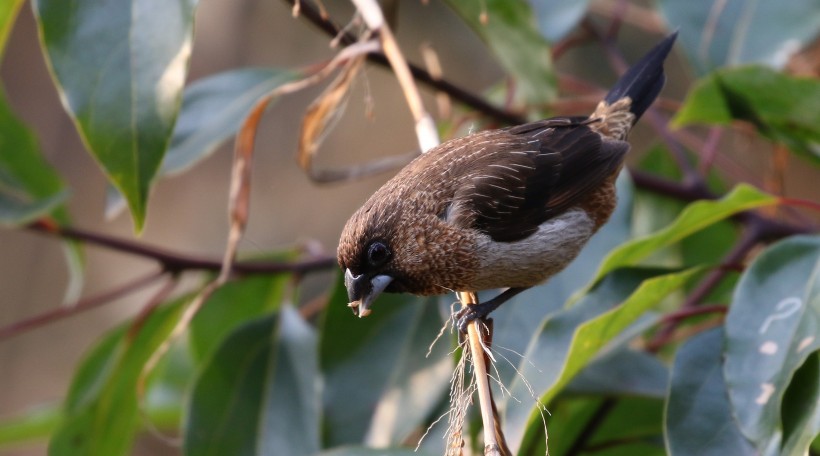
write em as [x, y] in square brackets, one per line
[533, 260]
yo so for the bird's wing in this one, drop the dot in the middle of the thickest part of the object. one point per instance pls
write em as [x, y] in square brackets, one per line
[533, 173]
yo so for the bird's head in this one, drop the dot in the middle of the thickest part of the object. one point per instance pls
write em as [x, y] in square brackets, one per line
[372, 261]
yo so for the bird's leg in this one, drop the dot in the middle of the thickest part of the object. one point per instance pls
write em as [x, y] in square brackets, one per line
[472, 312]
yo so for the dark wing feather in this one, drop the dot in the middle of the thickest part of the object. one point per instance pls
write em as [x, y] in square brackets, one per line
[532, 173]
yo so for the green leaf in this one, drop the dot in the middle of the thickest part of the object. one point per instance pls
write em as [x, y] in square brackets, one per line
[32, 425]
[259, 393]
[370, 364]
[698, 417]
[622, 372]
[120, 67]
[783, 108]
[556, 18]
[230, 306]
[29, 187]
[510, 33]
[8, 13]
[715, 33]
[101, 413]
[569, 340]
[771, 331]
[695, 217]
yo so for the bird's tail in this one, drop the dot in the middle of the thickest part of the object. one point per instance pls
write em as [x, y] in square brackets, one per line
[643, 81]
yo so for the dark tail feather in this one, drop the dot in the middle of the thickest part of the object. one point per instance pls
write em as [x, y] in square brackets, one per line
[643, 81]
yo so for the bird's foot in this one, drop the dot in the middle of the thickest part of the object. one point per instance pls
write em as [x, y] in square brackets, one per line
[468, 314]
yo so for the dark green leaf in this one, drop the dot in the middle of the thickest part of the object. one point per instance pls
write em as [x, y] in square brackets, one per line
[369, 365]
[101, 413]
[622, 372]
[230, 306]
[509, 31]
[556, 18]
[29, 187]
[771, 330]
[715, 33]
[120, 67]
[698, 416]
[8, 13]
[259, 393]
[568, 340]
[783, 108]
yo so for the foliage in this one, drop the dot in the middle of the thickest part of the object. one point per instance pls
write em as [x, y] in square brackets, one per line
[650, 343]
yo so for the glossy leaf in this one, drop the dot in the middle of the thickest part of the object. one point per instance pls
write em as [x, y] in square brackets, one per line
[508, 28]
[716, 33]
[568, 340]
[101, 412]
[771, 331]
[29, 187]
[695, 217]
[557, 18]
[373, 367]
[8, 13]
[230, 306]
[783, 108]
[120, 67]
[622, 372]
[698, 417]
[259, 393]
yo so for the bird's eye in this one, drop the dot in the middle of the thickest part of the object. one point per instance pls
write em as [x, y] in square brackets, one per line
[377, 253]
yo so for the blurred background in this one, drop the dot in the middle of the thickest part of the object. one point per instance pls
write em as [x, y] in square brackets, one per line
[287, 208]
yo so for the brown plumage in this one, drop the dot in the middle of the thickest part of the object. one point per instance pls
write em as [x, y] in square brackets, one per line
[504, 208]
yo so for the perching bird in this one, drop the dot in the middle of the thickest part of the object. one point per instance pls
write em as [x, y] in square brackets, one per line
[505, 208]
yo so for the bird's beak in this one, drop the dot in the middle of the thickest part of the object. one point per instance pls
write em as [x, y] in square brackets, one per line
[363, 289]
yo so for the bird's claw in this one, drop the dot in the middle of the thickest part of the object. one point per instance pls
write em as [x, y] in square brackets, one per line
[467, 315]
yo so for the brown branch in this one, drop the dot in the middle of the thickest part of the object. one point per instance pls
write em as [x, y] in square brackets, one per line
[82, 305]
[309, 11]
[177, 262]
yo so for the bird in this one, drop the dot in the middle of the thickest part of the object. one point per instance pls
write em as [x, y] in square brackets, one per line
[499, 209]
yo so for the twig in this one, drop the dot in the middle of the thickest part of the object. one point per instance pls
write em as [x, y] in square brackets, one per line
[177, 262]
[309, 11]
[82, 305]
[491, 444]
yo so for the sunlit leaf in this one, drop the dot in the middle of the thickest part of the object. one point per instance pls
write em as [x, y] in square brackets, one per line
[695, 217]
[8, 13]
[715, 33]
[101, 412]
[33, 425]
[771, 331]
[371, 368]
[259, 393]
[783, 108]
[698, 417]
[508, 28]
[364, 451]
[120, 67]
[570, 339]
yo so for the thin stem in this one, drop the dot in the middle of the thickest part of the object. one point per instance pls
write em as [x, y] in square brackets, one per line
[177, 262]
[82, 305]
